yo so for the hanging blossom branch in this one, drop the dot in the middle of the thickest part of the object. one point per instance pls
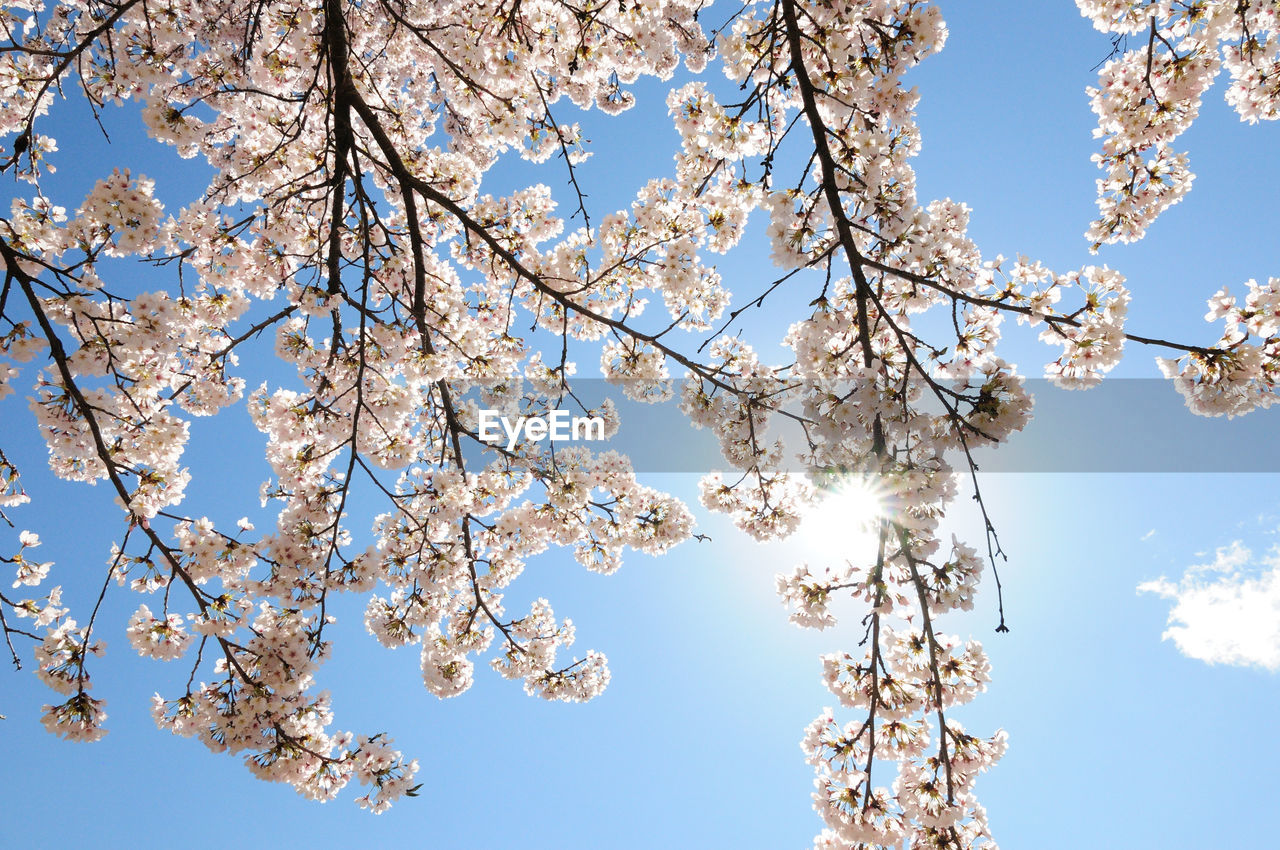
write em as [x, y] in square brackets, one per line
[1145, 99]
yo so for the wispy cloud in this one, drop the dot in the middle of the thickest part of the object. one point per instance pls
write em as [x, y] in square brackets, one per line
[1226, 611]
[1148, 535]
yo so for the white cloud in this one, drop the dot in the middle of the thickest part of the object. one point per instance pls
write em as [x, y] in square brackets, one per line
[1148, 535]
[1226, 611]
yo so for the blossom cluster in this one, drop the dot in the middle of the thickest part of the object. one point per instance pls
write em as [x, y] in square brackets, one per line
[1242, 371]
[1148, 96]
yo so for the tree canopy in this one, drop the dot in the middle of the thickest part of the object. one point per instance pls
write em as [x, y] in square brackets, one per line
[349, 216]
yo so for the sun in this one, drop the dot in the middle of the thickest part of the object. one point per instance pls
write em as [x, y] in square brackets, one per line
[841, 523]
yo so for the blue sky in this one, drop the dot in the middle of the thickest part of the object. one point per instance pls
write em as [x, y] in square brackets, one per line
[1117, 739]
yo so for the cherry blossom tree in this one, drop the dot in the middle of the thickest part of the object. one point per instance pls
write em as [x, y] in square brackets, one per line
[347, 219]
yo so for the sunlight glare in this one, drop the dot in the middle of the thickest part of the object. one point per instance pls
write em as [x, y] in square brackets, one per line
[841, 523]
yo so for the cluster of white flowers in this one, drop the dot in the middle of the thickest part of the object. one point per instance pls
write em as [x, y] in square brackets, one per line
[45, 611]
[1242, 371]
[29, 572]
[18, 345]
[931, 795]
[1094, 345]
[1149, 95]
[810, 594]
[163, 638]
[120, 215]
[61, 660]
[384, 768]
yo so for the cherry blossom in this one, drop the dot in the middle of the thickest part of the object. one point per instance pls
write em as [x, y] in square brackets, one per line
[351, 230]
